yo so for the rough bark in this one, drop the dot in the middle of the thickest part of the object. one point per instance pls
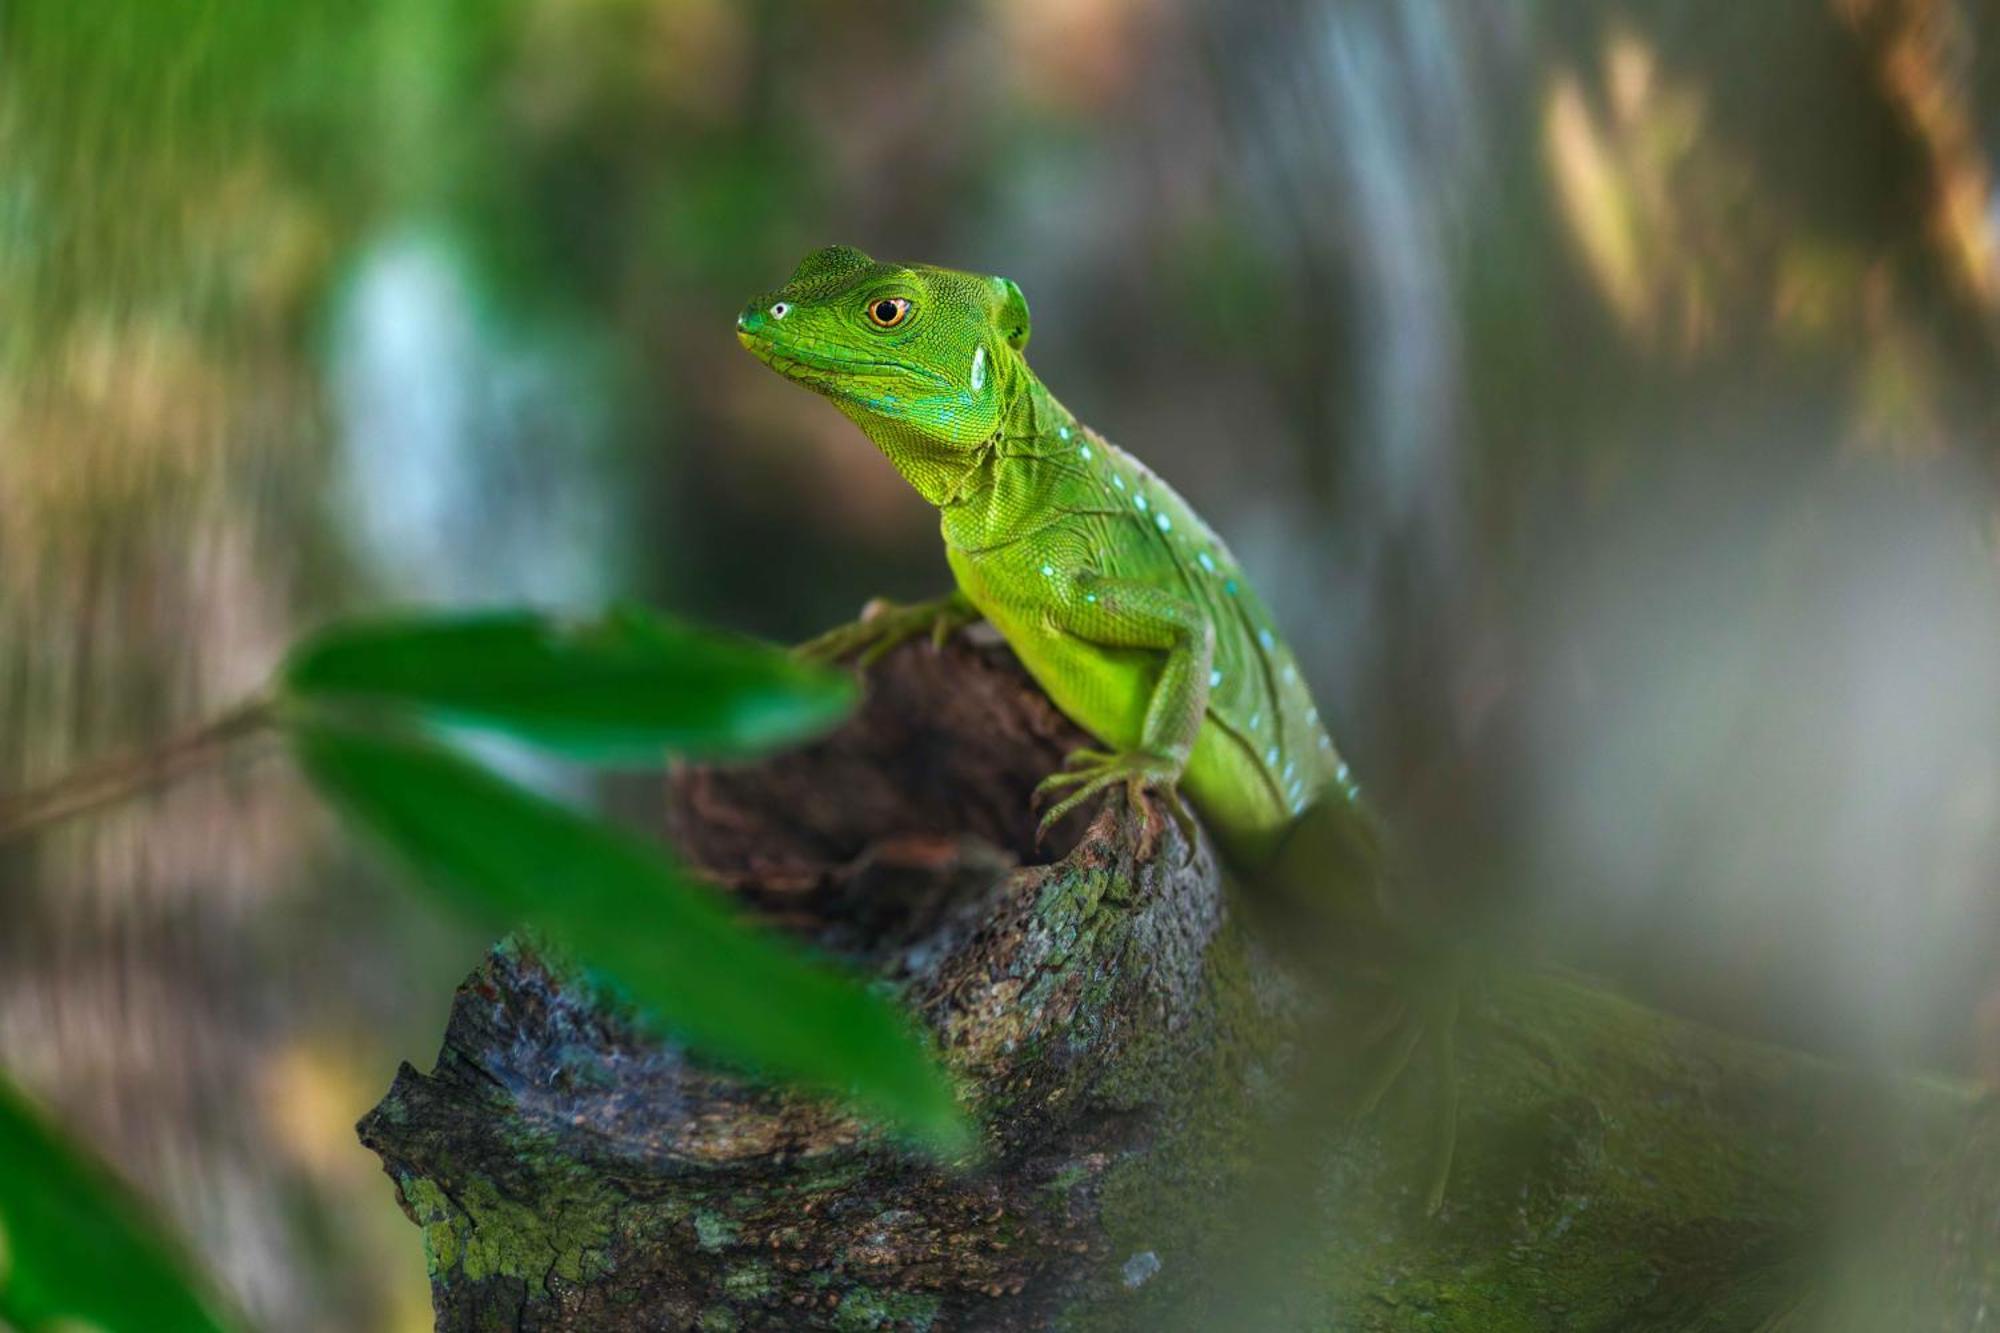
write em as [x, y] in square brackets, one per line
[1156, 1153]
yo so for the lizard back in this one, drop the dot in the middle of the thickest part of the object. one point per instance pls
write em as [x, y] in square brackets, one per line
[1064, 497]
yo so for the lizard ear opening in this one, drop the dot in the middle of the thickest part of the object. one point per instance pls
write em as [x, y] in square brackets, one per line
[1011, 313]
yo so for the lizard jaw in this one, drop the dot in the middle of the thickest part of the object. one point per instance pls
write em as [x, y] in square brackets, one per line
[814, 367]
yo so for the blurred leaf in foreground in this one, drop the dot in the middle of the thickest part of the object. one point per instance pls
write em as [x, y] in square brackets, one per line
[723, 985]
[76, 1249]
[626, 688]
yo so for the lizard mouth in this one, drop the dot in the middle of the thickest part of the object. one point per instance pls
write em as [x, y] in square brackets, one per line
[815, 367]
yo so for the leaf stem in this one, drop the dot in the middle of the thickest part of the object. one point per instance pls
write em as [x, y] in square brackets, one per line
[129, 774]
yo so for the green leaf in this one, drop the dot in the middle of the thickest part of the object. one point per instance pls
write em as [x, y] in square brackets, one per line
[627, 688]
[726, 987]
[75, 1245]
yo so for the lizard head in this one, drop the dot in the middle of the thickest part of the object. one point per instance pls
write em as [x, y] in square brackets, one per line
[914, 348]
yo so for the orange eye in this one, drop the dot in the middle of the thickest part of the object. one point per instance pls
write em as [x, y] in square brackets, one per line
[886, 312]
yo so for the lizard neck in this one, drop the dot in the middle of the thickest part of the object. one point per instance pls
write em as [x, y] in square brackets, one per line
[960, 481]
[1019, 471]
[936, 469]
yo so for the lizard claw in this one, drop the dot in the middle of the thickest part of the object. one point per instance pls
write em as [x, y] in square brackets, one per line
[1079, 765]
[1183, 820]
[1154, 826]
[831, 646]
[1092, 772]
[1092, 782]
[884, 626]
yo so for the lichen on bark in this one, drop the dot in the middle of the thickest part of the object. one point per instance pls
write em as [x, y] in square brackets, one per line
[1158, 1145]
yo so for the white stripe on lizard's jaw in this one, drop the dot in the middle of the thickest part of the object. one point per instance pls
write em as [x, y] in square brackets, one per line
[978, 368]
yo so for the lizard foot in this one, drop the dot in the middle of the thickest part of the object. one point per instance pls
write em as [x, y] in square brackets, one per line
[1094, 771]
[883, 625]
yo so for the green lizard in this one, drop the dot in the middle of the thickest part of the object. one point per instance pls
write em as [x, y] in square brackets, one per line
[1124, 606]
[1120, 601]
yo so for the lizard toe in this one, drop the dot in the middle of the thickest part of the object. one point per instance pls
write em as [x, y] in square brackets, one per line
[1091, 787]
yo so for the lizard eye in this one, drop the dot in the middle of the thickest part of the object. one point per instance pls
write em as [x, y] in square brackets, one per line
[888, 311]
[780, 310]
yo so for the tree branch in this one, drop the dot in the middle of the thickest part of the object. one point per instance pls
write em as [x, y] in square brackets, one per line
[1161, 1148]
[128, 775]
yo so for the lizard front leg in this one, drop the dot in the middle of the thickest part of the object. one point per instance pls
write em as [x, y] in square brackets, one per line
[883, 625]
[1124, 613]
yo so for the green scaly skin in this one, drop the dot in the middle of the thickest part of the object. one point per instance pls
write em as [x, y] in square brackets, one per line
[1124, 606]
[1122, 603]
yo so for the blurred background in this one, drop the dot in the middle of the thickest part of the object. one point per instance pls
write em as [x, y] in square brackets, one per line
[1604, 394]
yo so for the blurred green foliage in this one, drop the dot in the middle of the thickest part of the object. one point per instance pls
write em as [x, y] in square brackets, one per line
[359, 703]
[699, 973]
[627, 688]
[76, 1250]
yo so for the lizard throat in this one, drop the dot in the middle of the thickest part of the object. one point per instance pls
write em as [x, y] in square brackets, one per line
[946, 475]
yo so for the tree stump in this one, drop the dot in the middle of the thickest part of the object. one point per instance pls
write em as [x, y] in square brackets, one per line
[1157, 1150]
